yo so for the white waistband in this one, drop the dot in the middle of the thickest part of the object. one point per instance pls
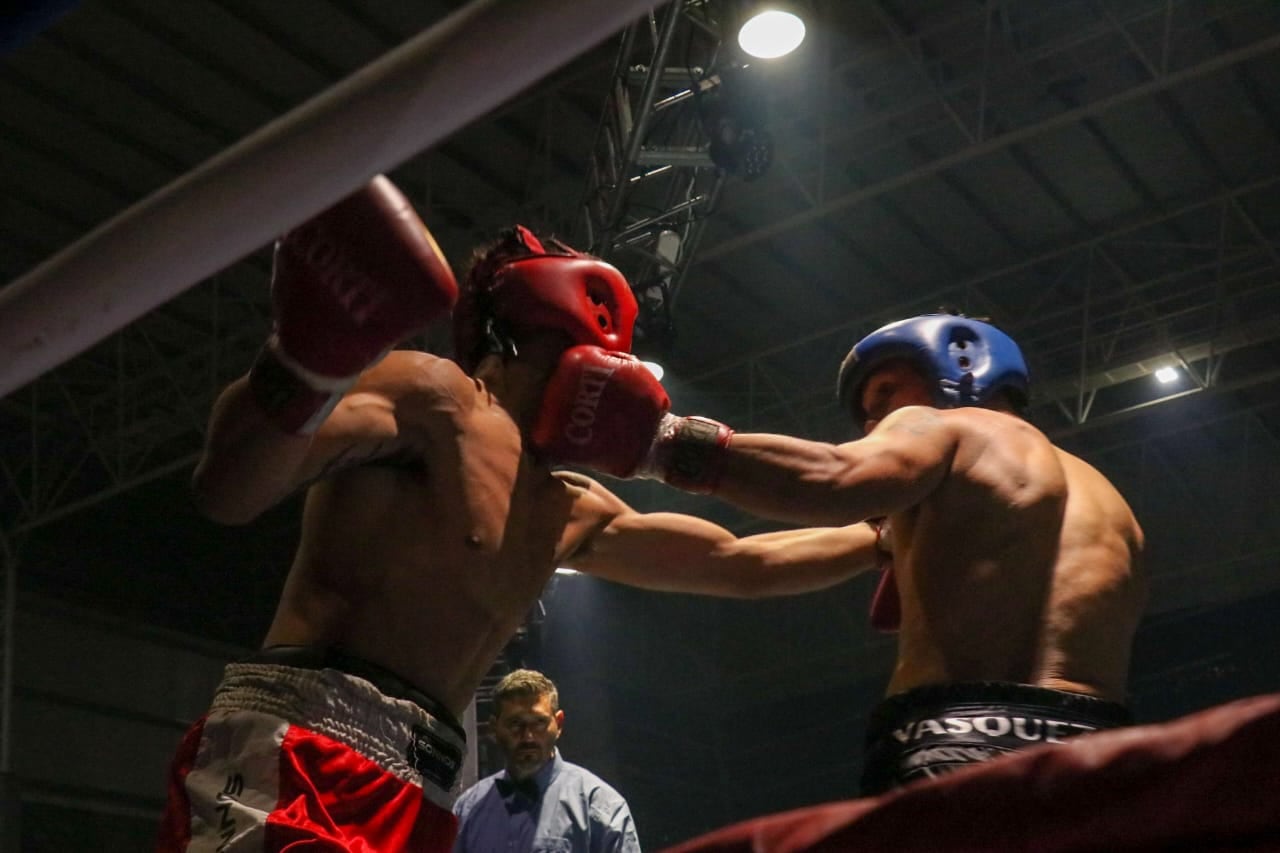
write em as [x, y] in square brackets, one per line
[344, 707]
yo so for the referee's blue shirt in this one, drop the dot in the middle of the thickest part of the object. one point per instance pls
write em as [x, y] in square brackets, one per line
[575, 811]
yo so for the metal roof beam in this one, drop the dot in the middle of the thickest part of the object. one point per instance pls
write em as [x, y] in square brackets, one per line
[989, 146]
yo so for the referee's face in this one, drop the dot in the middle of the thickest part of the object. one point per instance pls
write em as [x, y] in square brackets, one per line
[526, 730]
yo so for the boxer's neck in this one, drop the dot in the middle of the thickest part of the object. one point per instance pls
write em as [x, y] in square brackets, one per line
[517, 383]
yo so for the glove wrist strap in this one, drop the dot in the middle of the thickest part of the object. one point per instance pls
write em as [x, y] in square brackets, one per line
[297, 400]
[884, 538]
[689, 453]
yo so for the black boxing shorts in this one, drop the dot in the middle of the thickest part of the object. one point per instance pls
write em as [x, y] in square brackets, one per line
[932, 730]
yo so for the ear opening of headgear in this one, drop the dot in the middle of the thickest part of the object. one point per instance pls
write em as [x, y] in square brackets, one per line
[967, 361]
[523, 285]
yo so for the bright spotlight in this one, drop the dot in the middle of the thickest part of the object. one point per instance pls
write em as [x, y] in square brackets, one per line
[563, 571]
[771, 34]
[1167, 374]
[655, 369]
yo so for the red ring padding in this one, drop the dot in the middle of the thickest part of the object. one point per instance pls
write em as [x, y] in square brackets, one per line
[1207, 781]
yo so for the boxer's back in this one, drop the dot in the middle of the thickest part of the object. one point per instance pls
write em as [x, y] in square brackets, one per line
[1018, 567]
[426, 559]
[1100, 588]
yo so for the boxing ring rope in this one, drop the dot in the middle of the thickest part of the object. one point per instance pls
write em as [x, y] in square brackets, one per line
[408, 100]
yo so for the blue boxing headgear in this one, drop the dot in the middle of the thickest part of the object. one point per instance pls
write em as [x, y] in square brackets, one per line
[966, 360]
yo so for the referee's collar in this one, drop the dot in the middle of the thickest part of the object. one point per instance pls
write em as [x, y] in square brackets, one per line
[533, 786]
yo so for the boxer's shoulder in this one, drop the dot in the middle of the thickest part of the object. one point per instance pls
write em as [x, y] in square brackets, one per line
[991, 425]
[419, 382]
[416, 365]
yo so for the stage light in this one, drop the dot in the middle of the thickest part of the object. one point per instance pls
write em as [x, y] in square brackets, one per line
[667, 248]
[773, 31]
[563, 571]
[740, 150]
[1167, 374]
[734, 114]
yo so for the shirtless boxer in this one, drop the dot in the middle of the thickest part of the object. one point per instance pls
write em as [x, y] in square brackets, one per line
[429, 528]
[1015, 575]
[426, 534]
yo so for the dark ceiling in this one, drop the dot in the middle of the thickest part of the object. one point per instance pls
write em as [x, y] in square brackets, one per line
[1100, 177]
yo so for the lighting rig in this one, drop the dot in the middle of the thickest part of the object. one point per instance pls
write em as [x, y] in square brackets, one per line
[685, 113]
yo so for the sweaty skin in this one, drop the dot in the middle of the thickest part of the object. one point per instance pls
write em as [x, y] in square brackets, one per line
[1015, 561]
[428, 531]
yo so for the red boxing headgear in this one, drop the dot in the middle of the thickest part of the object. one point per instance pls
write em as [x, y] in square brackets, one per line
[582, 296]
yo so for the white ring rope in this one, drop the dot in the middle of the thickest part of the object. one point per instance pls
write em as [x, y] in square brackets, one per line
[403, 103]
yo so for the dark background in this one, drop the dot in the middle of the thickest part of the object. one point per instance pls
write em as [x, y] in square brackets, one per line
[1097, 177]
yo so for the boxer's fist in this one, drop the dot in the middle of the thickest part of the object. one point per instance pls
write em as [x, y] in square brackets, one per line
[347, 286]
[601, 410]
[356, 280]
[605, 410]
[689, 453]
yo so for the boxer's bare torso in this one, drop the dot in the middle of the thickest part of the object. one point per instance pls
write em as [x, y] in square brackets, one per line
[429, 531]
[1015, 561]
[427, 534]
[1022, 566]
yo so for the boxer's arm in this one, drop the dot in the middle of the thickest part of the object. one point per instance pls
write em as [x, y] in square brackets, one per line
[807, 482]
[604, 411]
[249, 463]
[671, 552]
[347, 285]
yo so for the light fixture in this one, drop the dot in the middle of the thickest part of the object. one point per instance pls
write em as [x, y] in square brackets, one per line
[654, 368]
[564, 571]
[773, 30]
[1166, 374]
[734, 114]
[653, 328]
[667, 248]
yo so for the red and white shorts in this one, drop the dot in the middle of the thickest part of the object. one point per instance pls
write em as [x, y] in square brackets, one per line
[314, 758]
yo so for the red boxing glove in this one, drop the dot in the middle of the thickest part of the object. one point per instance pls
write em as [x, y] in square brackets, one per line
[600, 410]
[886, 606]
[605, 410]
[348, 285]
